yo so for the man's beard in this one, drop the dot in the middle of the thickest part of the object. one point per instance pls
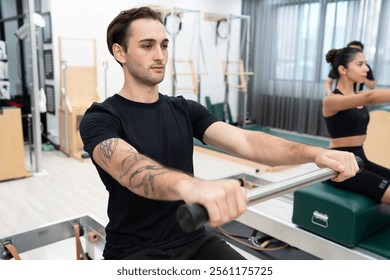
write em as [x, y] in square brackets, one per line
[147, 78]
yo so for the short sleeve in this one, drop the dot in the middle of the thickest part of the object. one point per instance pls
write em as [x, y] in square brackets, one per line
[201, 117]
[98, 124]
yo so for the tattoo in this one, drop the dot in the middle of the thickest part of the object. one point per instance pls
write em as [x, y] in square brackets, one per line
[146, 174]
[147, 179]
[106, 150]
[127, 163]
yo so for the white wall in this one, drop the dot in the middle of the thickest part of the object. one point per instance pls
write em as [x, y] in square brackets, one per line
[90, 18]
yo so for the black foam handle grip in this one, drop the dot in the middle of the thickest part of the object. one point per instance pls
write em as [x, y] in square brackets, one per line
[193, 216]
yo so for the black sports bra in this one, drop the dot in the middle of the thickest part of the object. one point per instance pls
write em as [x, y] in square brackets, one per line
[350, 122]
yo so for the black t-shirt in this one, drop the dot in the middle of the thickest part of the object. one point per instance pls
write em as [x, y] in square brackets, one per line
[370, 76]
[163, 131]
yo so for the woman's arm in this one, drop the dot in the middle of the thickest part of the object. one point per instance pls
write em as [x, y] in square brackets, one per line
[336, 102]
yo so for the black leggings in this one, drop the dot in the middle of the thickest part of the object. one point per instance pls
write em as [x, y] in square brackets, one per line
[372, 181]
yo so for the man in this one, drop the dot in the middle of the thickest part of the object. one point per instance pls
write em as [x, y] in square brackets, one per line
[370, 79]
[141, 143]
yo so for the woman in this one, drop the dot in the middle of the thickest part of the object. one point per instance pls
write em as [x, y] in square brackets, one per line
[347, 119]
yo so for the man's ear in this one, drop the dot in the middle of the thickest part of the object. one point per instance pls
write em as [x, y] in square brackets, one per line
[119, 53]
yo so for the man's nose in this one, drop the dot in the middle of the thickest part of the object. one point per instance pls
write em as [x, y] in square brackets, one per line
[158, 54]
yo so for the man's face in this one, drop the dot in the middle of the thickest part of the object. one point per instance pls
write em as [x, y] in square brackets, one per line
[147, 51]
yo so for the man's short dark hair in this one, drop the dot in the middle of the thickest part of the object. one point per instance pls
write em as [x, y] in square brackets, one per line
[118, 29]
[356, 43]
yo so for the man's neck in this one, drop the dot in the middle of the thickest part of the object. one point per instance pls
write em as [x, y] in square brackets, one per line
[140, 93]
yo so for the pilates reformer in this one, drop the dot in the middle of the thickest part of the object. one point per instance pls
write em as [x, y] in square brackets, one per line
[264, 217]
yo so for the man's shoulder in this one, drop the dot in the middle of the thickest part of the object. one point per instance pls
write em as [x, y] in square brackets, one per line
[100, 110]
[105, 104]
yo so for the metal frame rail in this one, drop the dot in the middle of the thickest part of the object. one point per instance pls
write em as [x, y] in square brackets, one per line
[52, 233]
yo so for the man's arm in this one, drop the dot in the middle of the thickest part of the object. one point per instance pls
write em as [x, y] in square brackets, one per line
[271, 150]
[328, 85]
[224, 199]
[370, 79]
[371, 84]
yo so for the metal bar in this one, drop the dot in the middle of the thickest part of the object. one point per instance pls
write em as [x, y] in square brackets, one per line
[180, 10]
[174, 76]
[49, 234]
[105, 67]
[246, 68]
[64, 95]
[36, 116]
[226, 79]
[239, 17]
[262, 193]
[192, 216]
[40, 237]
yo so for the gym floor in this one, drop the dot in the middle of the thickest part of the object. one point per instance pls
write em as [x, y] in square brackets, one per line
[67, 188]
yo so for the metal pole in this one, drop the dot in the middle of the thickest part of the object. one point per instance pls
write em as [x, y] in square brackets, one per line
[262, 193]
[36, 117]
[226, 101]
[180, 10]
[30, 144]
[173, 53]
[66, 109]
[193, 216]
[105, 67]
[199, 53]
[245, 101]
[49, 234]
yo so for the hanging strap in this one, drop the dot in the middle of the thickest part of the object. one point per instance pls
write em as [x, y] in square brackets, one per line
[11, 248]
[80, 254]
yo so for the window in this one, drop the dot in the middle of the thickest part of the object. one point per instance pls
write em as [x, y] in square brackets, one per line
[334, 33]
[306, 30]
[296, 41]
[381, 51]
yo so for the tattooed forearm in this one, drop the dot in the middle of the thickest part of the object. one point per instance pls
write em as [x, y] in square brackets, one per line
[143, 176]
[129, 162]
[147, 179]
[106, 149]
